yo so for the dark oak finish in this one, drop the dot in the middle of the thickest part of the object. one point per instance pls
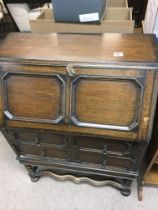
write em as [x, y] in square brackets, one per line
[34, 97]
[79, 48]
[79, 106]
[98, 151]
[102, 109]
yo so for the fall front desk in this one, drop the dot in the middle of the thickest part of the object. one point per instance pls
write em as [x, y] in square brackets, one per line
[79, 107]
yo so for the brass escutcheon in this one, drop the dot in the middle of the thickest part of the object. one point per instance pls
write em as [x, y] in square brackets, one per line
[70, 70]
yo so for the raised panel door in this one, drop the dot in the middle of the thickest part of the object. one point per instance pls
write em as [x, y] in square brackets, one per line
[34, 97]
[110, 103]
[112, 100]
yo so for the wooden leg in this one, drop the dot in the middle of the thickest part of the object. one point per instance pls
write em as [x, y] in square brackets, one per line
[140, 188]
[123, 185]
[28, 168]
[32, 172]
[126, 191]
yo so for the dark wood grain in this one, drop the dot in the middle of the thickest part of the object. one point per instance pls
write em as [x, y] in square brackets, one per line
[66, 47]
[103, 101]
[102, 152]
[70, 105]
[34, 97]
[110, 101]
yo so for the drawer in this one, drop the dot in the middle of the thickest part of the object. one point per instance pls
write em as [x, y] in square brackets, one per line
[108, 146]
[116, 147]
[79, 157]
[25, 137]
[42, 152]
[76, 149]
[29, 150]
[106, 160]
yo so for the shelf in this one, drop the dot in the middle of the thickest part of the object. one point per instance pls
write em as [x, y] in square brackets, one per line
[152, 176]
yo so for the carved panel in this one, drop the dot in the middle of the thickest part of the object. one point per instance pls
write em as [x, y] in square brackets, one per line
[97, 152]
[106, 102]
[119, 148]
[34, 97]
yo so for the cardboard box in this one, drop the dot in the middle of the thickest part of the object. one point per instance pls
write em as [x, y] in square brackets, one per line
[116, 3]
[116, 20]
[78, 11]
[21, 14]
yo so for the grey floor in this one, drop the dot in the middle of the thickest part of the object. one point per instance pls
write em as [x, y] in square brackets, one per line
[17, 192]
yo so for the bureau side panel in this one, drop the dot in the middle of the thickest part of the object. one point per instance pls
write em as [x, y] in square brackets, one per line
[1, 104]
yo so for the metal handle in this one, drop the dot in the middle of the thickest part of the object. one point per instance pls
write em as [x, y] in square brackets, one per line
[70, 70]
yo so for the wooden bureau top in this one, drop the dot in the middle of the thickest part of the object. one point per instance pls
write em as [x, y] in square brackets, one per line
[79, 48]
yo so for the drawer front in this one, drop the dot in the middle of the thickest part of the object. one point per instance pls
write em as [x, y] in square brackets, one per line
[117, 147]
[107, 160]
[44, 152]
[27, 137]
[97, 152]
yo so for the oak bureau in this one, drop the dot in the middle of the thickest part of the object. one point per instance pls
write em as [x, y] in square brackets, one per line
[79, 107]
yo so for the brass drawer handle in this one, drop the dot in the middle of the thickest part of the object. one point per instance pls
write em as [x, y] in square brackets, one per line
[70, 70]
